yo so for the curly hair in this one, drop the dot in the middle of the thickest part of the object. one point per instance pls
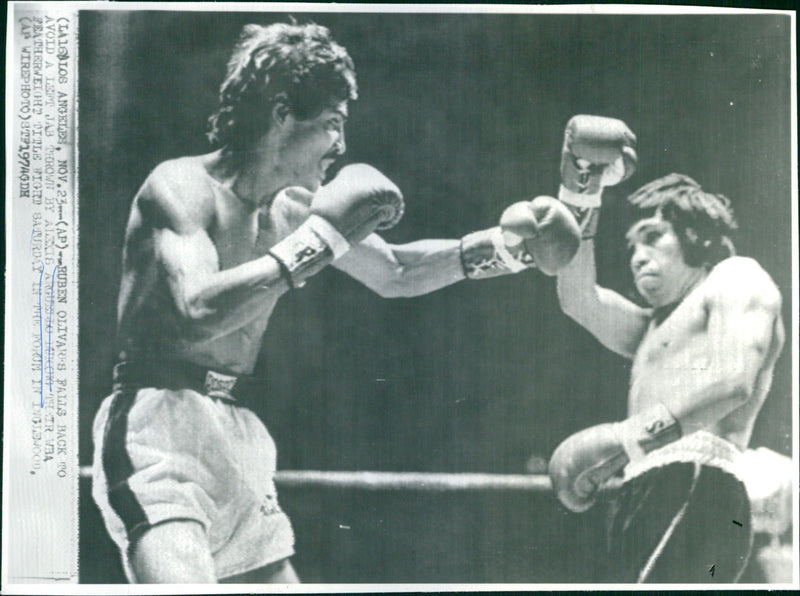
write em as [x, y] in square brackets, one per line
[704, 222]
[299, 65]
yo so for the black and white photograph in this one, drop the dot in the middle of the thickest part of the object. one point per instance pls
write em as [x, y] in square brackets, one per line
[439, 297]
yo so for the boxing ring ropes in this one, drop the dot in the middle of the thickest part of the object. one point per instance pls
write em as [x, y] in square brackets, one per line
[771, 509]
[424, 481]
[770, 491]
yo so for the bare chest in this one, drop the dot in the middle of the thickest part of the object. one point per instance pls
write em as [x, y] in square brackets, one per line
[234, 237]
[242, 235]
[679, 344]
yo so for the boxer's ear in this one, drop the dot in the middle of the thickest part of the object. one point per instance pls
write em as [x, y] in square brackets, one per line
[280, 110]
[691, 246]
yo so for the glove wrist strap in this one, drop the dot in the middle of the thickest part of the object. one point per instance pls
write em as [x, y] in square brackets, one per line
[585, 208]
[485, 254]
[307, 250]
[648, 431]
[329, 234]
[582, 200]
[514, 263]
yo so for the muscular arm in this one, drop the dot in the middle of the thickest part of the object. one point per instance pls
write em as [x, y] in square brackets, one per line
[403, 270]
[546, 235]
[616, 322]
[743, 331]
[213, 302]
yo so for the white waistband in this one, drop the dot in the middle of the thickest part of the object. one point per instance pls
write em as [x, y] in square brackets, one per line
[701, 447]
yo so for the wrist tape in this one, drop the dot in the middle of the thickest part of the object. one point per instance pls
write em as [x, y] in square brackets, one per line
[485, 254]
[304, 252]
[585, 208]
[647, 431]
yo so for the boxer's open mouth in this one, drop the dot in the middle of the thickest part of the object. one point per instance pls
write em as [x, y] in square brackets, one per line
[325, 163]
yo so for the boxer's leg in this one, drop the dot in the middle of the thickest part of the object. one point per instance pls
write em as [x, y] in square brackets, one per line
[280, 572]
[712, 544]
[679, 525]
[159, 486]
[647, 510]
[174, 552]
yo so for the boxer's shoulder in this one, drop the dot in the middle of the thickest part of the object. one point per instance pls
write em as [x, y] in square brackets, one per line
[737, 266]
[183, 178]
[742, 277]
[177, 192]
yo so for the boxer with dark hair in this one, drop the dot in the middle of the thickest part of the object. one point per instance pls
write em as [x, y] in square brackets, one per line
[183, 469]
[702, 221]
[703, 356]
[301, 67]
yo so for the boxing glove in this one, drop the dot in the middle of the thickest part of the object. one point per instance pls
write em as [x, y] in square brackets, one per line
[358, 201]
[545, 229]
[583, 462]
[597, 152]
[539, 233]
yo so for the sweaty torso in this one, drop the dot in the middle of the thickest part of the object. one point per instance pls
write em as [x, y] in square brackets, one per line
[679, 350]
[150, 325]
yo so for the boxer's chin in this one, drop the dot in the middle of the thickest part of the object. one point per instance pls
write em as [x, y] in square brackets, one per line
[648, 285]
[312, 184]
[649, 297]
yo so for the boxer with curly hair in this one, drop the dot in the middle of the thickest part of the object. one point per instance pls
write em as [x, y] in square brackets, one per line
[183, 469]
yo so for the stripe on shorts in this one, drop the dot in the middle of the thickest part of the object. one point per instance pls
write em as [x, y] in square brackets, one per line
[118, 466]
[667, 536]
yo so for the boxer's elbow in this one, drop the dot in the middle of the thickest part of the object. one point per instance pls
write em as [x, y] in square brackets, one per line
[394, 286]
[737, 389]
[569, 305]
[733, 387]
[390, 280]
[573, 302]
[738, 370]
[411, 281]
[743, 386]
[199, 321]
[194, 308]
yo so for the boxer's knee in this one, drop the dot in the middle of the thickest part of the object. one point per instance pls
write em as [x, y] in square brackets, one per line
[173, 552]
[280, 572]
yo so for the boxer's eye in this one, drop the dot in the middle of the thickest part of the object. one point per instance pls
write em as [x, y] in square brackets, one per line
[335, 124]
[652, 236]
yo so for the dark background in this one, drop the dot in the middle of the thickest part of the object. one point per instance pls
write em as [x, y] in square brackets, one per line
[466, 114]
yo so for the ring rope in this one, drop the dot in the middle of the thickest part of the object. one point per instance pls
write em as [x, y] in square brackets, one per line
[426, 481]
[422, 481]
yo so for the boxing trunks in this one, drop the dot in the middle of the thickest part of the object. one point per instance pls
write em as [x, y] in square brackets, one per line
[174, 442]
[682, 515]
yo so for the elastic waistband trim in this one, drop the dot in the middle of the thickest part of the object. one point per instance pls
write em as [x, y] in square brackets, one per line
[701, 447]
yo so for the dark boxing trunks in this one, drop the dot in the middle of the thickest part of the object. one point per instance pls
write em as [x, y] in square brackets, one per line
[683, 522]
